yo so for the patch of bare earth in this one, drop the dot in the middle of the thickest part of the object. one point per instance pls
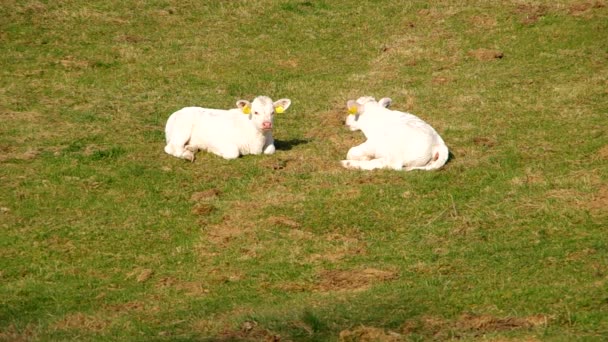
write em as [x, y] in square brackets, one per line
[201, 199]
[603, 153]
[283, 221]
[585, 8]
[369, 334]
[352, 280]
[190, 288]
[223, 234]
[483, 21]
[249, 331]
[484, 323]
[468, 324]
[341, 281]
[483, 54]
[73, 63]
[530, 13]
[14, 334]
[598, 205]
[81, 321]
[205, 195]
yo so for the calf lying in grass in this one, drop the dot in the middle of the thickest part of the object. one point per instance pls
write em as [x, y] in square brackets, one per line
[227, 133]
[395, 140]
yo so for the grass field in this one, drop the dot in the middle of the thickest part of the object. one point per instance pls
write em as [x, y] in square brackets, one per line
[105, 237]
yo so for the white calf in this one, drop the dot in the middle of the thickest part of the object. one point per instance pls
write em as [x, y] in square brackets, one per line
[227, 133]
[395, 140]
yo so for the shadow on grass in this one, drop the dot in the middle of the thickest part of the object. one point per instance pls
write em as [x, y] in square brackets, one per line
[451, 157]
[286, 145]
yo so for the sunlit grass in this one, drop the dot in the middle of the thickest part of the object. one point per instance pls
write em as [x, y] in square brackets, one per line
[104, 236]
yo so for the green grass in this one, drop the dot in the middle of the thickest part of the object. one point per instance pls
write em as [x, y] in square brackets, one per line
[105, 237]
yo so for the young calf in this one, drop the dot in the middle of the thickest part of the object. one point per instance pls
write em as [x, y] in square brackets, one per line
[395, 140]
[227, 133]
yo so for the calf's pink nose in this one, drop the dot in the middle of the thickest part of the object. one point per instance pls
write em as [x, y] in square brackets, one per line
[267, 125]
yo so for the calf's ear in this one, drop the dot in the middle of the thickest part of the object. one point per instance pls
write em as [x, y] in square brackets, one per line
[385, 102]
[281, 105]
[244, 106]
[353, 107]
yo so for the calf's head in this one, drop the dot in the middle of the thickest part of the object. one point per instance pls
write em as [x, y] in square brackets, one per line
[261, 111]
[356, 108]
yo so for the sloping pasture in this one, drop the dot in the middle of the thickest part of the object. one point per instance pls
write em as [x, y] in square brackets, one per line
[105, 237]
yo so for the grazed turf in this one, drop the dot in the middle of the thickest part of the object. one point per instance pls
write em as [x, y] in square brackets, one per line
[105, 237]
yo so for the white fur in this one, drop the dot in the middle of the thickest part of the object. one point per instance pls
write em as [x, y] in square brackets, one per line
[227, 133]
[395, 140]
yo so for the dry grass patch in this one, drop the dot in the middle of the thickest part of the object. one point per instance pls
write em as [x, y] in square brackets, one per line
[530, 13]
[483, 21]
[85, 322]
[598, 205]
[603, 153]
[483, 54]
[352, 280]
[249, 331]
[222, 235]
[341, 247]
[489, 323]
[369, 334]
[190, 288]
[440, 329]
[205, 195]
[584, 8]
[13, 334]
[468, 324]
[341, 281]
[283, 221]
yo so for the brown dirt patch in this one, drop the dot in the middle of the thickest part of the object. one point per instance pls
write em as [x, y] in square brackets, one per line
[223, 234]
[202, 209]
[583, 8]
[289, 63]
[140, 275]
[483, 21]
[201, 198]
[580, 255]
[530, 13]
[205, 195]
[71, 63]
[483, 54]
[468, 324]
[352, 280]
[190, 288]
[486, 323]
[440, 80]
[249, 331]
[369, 334]
[13, 334]
[341, 247]
[283, 221]
[484, 141]
[599, 203]
[531, 177]
[428, 326]
[81, 321]
[280, 164]
[603, 153]
[131, 39]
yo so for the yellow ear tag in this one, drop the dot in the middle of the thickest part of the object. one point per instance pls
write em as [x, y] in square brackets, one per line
[246, 110]
[352, 110]
[279, 109]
